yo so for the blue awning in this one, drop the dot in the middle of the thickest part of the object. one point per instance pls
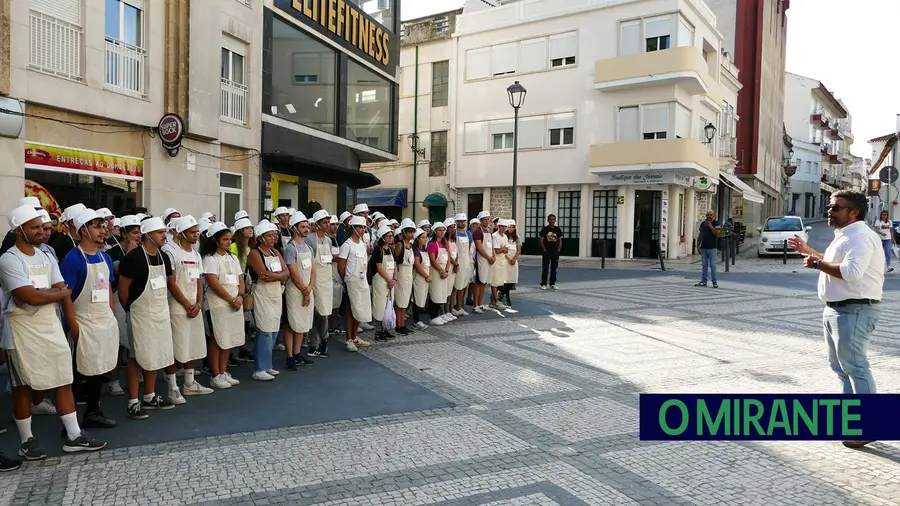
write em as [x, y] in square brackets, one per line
[382, 197]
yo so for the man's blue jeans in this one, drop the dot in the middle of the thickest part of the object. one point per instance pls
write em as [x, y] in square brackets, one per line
[265, 341]
[847, 332]
[709, 264]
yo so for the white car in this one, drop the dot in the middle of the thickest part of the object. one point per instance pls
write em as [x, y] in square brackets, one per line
[776, 231]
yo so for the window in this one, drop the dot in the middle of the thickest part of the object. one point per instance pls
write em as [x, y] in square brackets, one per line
[440, 83]
[368, 106]
[562, 136]
[125, 56]
[563, 49]
[682, 122]
[535, 213]
[303, 79]
[234, 92]
[504, 59]
[438, 165]
[569, 214]
[231, 194]
[383, 11]
[658, 33]
[478, 63]
[533, 55]
[532, 131]
[503, 141]
[654, 121]
[630, 38]
[56, 34]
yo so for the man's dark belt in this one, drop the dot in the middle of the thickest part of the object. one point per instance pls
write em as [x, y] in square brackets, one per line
[847, 302]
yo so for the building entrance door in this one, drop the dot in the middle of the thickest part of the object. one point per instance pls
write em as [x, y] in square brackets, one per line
[647, 213]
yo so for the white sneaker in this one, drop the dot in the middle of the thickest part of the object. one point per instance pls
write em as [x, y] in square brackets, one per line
[196, 388]
[543, 287]
[449, 317]
[419, 326]
[114, 388]
[365, 326]
[273, 372]
[478, 310]
[362, 343]
[231, 380]
[554, 287]
[45, 408]
[502, 306]
[454, 312]
[262, 376]
[220, 381]
[279, 347]
[438, 321]
[462, 312]
[351, 346]
[175, 396]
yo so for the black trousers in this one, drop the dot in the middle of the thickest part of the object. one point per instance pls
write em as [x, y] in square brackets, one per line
[549, 263]
[90, 387]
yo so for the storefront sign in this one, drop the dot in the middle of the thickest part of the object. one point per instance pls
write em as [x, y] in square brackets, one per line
[660, 177]
[171, 132]
[80, 161]
[348, 25]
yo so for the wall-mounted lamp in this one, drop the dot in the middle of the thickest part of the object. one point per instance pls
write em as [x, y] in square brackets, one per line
[710, 132]
[413, 140]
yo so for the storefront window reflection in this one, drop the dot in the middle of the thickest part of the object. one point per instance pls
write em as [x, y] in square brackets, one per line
[303, 77]
[368, 107]
[57, 191]
[382, 10]
[322, 196]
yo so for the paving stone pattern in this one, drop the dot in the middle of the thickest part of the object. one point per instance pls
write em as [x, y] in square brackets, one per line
[545, 413]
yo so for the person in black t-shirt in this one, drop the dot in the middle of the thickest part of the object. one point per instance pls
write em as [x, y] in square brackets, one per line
[708, 239]
[135, 267]
[550, 243]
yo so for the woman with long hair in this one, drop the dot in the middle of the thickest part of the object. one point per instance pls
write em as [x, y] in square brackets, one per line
[269, 272]
[403, 255]
[226, 299]
[383, 270]
[242, 244]
[885, 230]
[450, 244]
[513, 250]
[421, 277]
[440, 264]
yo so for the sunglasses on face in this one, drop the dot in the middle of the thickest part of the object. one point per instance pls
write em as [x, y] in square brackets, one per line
[836, 207]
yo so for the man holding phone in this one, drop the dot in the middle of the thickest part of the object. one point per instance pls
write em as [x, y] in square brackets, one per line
[708, 242]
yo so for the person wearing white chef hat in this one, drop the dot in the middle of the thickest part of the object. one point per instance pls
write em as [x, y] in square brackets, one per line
[269, 272]
[282, 217]
[299, 294]
[39, 357]
[66, 242]
[465, 254]
[337, 284]
[143, 294]
[352, 266]
[323, 289]
[9, 240]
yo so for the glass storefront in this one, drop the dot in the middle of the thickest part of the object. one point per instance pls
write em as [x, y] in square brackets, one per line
[382, 10]
[368, 107]
[58, 190]
[322, 196]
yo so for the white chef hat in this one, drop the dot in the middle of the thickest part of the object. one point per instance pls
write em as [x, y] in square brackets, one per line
[384, 230]
[510, 223]
[242, 223]
[169, 212]
[360, 208]
[281, 210]
[21, 215]
[152, 225]
[117, 222]
[207, 216]
[333, 220]
[72, 211]
[129, 220]
[438, 224]
[104, 213]
[216, 228]
[502, 222]
[448, 222]
[204, 226]
[460, 217]
[30, 201]
[264, 227]
[45, 216]
[84, 217]
[320, 215]
[241, 214]
[419, 232]
[407, 223]
[474, 221]
[184, 223]
[297, 217]
[357, 221]
[484, 214]
[424, 223]
[345, 215]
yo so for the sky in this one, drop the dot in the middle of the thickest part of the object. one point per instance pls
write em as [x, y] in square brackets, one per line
[839, 42]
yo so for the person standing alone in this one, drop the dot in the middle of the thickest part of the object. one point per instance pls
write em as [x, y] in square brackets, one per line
[851, 281]
[550, 243]
[708, 241]
[885, 230]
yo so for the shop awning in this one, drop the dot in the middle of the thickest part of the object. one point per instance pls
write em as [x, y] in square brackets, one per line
[435, 200]
[335, 175]
[750, 195]
[827, 188]
[382, 197]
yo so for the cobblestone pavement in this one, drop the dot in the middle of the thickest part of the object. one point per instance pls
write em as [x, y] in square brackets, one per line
[545, 413]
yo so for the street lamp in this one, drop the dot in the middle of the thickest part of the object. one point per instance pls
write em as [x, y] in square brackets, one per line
[516, 94]
[710, 132]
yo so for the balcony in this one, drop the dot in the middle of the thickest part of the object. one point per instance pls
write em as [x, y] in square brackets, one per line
[234, 102]
[818, 120]
[682, 66]
[55, 46]
[686, 156]
[833, 158]
[125, 66]
[835, 134]
[728, 147]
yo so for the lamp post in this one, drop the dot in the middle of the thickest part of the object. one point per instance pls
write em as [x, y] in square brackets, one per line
[710, 132]
[516, 94]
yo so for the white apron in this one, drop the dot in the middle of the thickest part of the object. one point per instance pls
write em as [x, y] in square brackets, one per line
[420, 286]
[227, 324]
[45, 358]
[337, 285]
[358, 289]
[380, 291]
[498, 270]
[512, 270]
[438, 289]
[97, 351]
[464, 275]
[300, 317]
[121, 320]
[267, 297]
[484, 266]
[150, 328]
[323, 290]
[404, 288]
[188, 334]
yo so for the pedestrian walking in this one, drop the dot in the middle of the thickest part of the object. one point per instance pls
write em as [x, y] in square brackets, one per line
[851, 280]
[885, 230]
[550, 243]
[709, 247]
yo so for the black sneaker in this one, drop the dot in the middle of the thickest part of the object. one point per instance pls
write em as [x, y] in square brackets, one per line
[31, 451]
[83, 443]
[290, 364]
[136, 412]
[2, 431]
[232, 362]
[302, 361]
[245, 356]
[97, 420]
[318, 354]
[157, 403]
[388, 335]
[337, 331]
[7, 465]
[381, 337]
[205, 371]
[702, 283]
[403, 331]
[715, 285]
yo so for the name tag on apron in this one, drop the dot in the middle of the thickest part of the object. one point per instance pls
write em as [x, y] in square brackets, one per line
[40, 281]
[274, 264]
[335, 251]
[306, 264]
[157, 283]
[193, 273]
[326, 259]
[231, 279]
[100, 296]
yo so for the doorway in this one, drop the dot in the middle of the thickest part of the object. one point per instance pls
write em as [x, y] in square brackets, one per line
[647, 214]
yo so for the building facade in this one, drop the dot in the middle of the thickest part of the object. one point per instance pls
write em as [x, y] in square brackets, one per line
[89, 81]
[330, 100]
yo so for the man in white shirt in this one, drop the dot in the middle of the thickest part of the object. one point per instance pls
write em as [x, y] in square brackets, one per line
[851, 281]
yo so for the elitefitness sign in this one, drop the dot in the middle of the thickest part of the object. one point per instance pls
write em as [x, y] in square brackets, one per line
[347, 24]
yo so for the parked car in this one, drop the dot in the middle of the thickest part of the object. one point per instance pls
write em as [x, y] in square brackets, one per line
[776, 231]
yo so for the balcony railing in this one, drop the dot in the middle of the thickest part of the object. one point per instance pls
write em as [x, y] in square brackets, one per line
[728, 147]
[125, 66]
[234, 102]
[55, 46]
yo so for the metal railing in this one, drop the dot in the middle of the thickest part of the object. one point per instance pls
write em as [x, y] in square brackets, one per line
[234, 102]
[728, 147]
[125, 66]
[54, 46]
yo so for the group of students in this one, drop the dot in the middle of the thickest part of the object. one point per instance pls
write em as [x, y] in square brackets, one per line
[86, 293]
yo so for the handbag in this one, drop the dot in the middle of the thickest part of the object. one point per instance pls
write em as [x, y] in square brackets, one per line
[248, 296]
[390, 318]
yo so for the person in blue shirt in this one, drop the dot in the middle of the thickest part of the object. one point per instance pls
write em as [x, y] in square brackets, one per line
[708, 241]
[90, 314]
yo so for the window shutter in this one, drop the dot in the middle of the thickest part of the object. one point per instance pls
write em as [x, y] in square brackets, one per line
[478, 63]
[533, 55]
[564, 120]
[531, 132]
[502, 126]
[563, 45]
[685, 33]
[658, 27]
[629, 129]
[476, 140]
[631, 38]
[656, 118]
[504, 58]
[64, 10]
[682, 122]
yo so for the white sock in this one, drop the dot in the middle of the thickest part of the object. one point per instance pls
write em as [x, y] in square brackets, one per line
[132, 402]
[173, 383]
[70, 421]
[24, 427]
[188, 377]
[149, 397]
